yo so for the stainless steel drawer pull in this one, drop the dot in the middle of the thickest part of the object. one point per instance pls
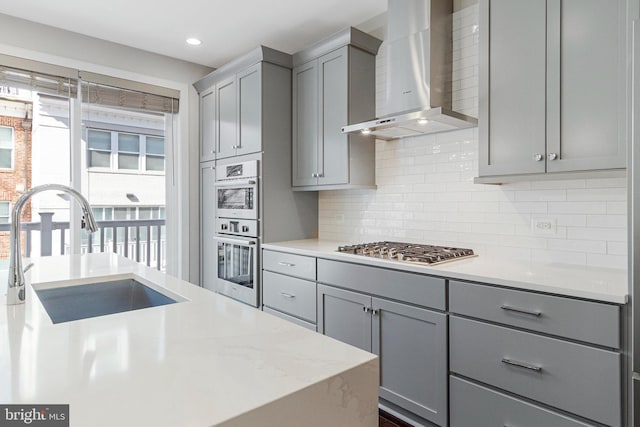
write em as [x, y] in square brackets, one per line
[366, 309]
[520, 310]
[286, 295]
[524, 365]
[286, 264]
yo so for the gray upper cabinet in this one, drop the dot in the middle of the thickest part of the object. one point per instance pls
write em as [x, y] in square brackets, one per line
[207, 126]
[552, 86]
[249, 110]
[233, 100]
[334, 85]
[305, 124]
[226, 117]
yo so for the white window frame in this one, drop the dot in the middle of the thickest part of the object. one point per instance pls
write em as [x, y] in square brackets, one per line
[13, 148]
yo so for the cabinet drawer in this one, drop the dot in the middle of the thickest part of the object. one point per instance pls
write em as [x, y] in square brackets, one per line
[580, 320]
[291, 319]
[292, 265]
[579, 379]
[290, 295]
[474, 405]
[413, 288]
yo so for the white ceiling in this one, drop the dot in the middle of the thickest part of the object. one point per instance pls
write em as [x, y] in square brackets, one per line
[227, 28]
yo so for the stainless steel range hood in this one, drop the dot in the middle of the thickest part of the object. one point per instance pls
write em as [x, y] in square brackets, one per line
[419, 73]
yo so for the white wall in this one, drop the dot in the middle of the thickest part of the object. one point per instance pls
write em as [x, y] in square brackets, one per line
[426, 192]
[47, 44]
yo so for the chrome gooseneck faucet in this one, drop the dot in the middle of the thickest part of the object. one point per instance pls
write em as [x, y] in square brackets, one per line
[16, 285]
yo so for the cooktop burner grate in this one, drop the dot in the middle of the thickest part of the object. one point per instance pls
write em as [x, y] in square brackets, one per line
[410, 252]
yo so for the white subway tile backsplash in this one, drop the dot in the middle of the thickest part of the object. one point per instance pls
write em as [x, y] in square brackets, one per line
[426, 192]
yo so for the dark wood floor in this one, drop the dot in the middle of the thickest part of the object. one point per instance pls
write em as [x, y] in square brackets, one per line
[387, 420]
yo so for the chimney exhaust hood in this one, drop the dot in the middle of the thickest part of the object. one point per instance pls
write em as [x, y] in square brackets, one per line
[419, 73]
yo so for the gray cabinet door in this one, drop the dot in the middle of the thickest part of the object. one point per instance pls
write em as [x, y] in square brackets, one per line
[512, 86]
[586, 61]
[305, 124]
[207, 126]
[250, 110]
[208, 249]
[226, 115]
[412, 345]
[333, 147]
[345, 316]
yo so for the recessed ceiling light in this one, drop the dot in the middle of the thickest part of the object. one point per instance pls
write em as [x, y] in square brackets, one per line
[423, 121]
[366, 131]
[193, 41]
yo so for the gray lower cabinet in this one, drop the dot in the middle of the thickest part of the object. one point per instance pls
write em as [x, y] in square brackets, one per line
[579, 379]
[566, 58]
[410, 341]
[208, 249]
[289, 287]
[478, 406]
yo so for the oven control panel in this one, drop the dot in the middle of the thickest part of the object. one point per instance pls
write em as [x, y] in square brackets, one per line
[237, 227]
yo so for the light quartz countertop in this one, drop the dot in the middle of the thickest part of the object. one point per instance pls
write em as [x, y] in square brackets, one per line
[600, 284]
[206, 360]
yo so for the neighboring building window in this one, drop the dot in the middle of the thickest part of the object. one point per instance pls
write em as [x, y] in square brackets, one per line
[132, 151]
[99, 143]
[4, 212]
[128, 151]
[6, 147]
[154, 153]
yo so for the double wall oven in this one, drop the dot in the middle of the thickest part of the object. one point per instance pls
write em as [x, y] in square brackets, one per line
[237, 233]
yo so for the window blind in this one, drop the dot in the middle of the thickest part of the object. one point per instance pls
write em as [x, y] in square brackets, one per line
[116, 92]
[39, 82]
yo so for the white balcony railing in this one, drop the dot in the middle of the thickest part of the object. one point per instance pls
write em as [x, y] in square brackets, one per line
[140, 240]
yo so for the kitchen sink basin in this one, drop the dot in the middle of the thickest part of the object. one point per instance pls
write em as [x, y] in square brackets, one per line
[68, 303]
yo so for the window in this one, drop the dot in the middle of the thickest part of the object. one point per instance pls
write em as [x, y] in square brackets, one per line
[6, 147]
[154, 153]
[4, 212]
[99, 143]
[133, 151]
[128, 151]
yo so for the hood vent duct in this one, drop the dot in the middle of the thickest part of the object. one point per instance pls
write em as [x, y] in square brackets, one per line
[419, 73]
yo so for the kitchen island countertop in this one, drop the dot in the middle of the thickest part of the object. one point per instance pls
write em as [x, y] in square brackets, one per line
[600, 284]
[206, 360]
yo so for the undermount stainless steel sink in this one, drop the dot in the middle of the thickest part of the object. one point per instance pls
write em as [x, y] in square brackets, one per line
[68, 303]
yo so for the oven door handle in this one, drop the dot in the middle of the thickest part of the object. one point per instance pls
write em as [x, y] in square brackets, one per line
[235, 183]
[236, 241]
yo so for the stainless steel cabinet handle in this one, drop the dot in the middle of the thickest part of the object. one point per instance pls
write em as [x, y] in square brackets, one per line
[314, 175]
[520, 310]
[286, 264]
[538, 157]
[286, 295]
[366, 309]
[519, 364]
[375, 311]
[319, 175]
[552, 156]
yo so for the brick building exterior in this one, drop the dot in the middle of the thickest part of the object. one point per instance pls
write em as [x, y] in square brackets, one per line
[13, 182]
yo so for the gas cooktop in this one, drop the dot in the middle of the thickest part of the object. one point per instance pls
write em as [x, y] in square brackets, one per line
[410, 252]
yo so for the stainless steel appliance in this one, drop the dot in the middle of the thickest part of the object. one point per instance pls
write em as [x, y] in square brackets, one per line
[408, 252]
[237, 233]
[237, 190]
